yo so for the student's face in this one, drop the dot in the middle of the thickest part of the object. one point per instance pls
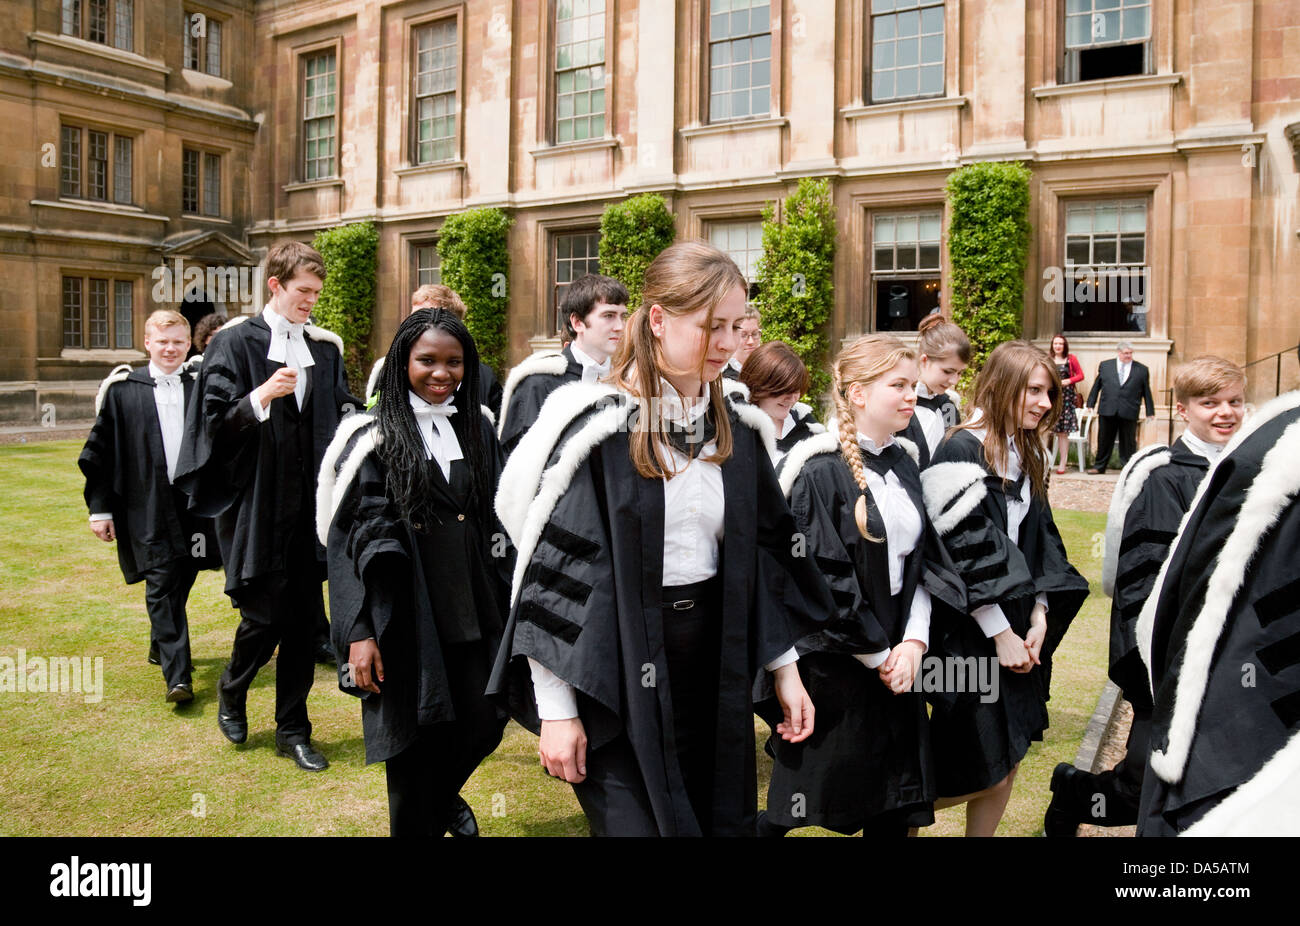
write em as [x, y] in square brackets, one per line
[778, 407]
[1215, 418]
[686, 340]
[167, 347]
[886, 405]
[749, 339]
[598, 334]
[941, 373]
[436, 366]
[1036, 400]
[295, 298]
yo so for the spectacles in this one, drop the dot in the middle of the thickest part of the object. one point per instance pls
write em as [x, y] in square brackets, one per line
[747, 336]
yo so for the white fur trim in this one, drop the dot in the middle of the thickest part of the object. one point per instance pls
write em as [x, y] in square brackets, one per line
[317, 333]
[235, 321]
[799, 456]
[1270, 493]
[910, 447]
[332, 482]
[552, 364]
[732, 387]
[943, 482]
[817, 428]
[801, 410]
[374, 378]
[116, 375]
[1131, 480]
[757, 419]
[487, 413]
[193, 363]
[523, 471]
[555, 482]
[1266, 805]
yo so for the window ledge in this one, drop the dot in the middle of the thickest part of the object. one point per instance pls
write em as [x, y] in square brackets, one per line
[431, 168]
[102, 51]
[99, 208]
[735, 125]
[312, 184]
[573, 147]
[902, 106]
[1137, 81]
[195, 217]
[204, 80]
[98, 355]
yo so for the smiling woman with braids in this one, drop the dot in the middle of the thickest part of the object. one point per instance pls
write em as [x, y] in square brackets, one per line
[416, 595]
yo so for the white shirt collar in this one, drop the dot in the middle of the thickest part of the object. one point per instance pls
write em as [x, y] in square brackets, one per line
[1202, 448]
[869, 445]
[156, 371]
[678, 409]
[585, 359]
[923, 391]
[788, 425]
[735, 364]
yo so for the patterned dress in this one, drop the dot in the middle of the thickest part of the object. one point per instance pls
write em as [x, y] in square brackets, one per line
[1067, 423]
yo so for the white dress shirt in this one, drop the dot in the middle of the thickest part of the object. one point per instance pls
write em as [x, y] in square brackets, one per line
[903, 526]
[288, 346]
[694, 512]
[434, 421]
[1202, 448]
[932, 425]
[990, 617]
[1123, 369]
[169, 400]
[591, 370]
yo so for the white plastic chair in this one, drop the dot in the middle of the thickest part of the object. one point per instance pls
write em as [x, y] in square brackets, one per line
[1083, 418]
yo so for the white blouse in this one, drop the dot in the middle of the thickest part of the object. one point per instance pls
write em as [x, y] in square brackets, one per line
[931, 421]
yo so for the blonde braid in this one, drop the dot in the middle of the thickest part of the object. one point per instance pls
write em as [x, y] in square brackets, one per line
[850, 451]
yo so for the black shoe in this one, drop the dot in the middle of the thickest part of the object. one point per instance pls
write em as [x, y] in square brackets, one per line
[325, 653]
[180, 694]
[232, 723]
[767, 829]
[1061, 819]
[462, 821]
[154, 658]
[308, 759]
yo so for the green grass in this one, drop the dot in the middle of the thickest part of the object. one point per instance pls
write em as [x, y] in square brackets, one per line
[132, 765]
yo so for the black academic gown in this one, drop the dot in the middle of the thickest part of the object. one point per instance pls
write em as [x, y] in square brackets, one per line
[1236, 562]
[976, 744]
[259, 484]
[947, 410]
[428, 592]
[530, 395]
[870, 752]
[805, 426]
[1150, 526]
[588, 607]
[489, 389]
[126, 475]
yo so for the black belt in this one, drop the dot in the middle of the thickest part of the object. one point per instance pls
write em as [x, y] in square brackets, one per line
[685, 597]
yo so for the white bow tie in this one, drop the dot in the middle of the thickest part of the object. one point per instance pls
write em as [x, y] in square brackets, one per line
[287, 344]
[169, 385]
[592, 372]
[441, 443]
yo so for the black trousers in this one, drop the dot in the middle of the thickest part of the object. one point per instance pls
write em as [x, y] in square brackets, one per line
[424, 779]
[279, 609]
[1108, 427]
[613, 796]
[166, 590]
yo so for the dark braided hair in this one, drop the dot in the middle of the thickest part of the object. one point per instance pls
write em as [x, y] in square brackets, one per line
[410, 480]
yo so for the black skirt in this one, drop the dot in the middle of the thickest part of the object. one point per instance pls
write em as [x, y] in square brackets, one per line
[869, 757]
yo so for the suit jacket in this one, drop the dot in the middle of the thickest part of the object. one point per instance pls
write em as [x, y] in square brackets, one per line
[1122, 401]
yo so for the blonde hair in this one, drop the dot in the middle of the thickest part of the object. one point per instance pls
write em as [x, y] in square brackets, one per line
[1206, 375]
[999, 395]
[685, 277]
[437, 296]
[864, 361]
[166, 318]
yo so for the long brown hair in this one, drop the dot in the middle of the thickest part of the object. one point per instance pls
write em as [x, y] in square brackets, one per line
[999, 395]
[864, 361]
[685, 277]
[941, 337]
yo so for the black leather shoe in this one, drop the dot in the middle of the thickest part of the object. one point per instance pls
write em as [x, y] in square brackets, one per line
[1061, 819]
[233, 724]
[325, 653]
[308, 759]
[462, 822]
[180, 694]
[154, 658]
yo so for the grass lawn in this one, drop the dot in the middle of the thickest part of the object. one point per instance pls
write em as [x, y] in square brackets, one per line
[130, 764]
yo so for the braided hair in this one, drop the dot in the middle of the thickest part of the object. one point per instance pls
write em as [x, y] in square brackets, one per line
[410, 480]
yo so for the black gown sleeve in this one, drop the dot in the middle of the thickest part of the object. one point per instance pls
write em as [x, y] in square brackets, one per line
[525, 405]
[98, 458]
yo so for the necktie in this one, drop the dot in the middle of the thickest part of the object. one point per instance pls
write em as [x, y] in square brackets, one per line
[689, 439]
[932, 402]
[441, 446]
[881, 463]
[289, 347]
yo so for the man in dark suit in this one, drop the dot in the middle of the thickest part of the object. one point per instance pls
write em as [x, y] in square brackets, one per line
[1123, 385]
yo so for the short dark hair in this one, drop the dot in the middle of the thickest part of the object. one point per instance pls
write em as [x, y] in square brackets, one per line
[583, 295]
[774, 369]
[206, 328]
[286, 258]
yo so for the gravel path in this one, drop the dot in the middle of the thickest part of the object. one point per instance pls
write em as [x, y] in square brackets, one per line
[1075, 492]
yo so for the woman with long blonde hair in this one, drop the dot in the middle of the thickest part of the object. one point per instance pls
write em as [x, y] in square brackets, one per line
[633, 641]
[856, 496]
[987, 495]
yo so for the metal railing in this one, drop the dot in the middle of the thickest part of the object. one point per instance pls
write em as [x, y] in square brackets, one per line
[1277, 382]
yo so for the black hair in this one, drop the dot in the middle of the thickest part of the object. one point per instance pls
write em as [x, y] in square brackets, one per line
[582, 295]
[410, 482]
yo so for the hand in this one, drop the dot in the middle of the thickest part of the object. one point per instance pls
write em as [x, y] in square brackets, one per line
[899, 670]
[281, 383]
[1150, 418]
[1037, 633]
[563, 749]
[1012, 653]
[795, 704]
[104, 530]
[367, 664]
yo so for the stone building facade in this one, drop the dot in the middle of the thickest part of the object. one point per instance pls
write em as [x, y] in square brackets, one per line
[1163, 137]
